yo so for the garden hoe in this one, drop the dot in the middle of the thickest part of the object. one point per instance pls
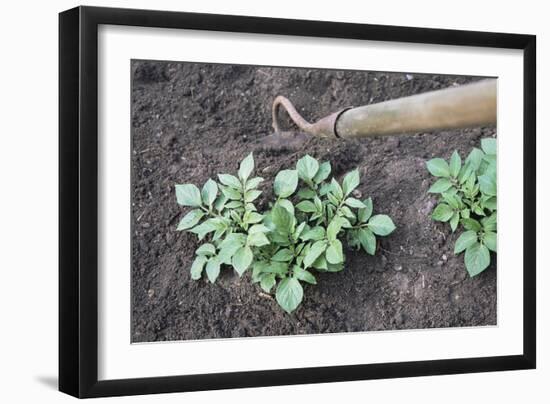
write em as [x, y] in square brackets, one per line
[465, 106]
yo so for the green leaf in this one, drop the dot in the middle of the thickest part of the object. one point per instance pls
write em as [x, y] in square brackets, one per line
[286, 204]
[232, 193]
[220, 202]
[441, 185]
[350, 182]
[289, 294]
[258, 228]
[452, 200]
[267, 282]
[487, 184]
[335, 267]
[334, 254]
[252, 217]
[489, 145]
[489, 165]
[315, 233]
[318, 204]
[258, 270]
[454, 221]
[218, 234]
[442, 212]
[367, 240]
[251, 195]
[209, 192]
[364, 214]
[246, 167]
[234, 214]
[320, 263]
[230, 181]
[314, 252]
[279, 268]
[306, 206]
[306, 193]
[333, 199]
[197, 267]
[465, 172]
[355, 203]
[299, 230]
[454, 164]
[304, 275]
[438, 167]
[490, 223]
[307, 167]
[490, 203]
[346, 224]
[253, 183]
[233, 239]
[213, 269]
[242, 259]
[283, 255]
[471, 224]
[285, 183]
[282, 219]
[476, 259]
[206, 249]
[234, 204]
[465, 240]
[474, 158]
[336, 190]
[188, 195]
[490, 240]
[204, 228]
[347, 212]
[219, 223]
[381, 225]
[190, 219]
[334, 228]
[322, 173]
[257, 239]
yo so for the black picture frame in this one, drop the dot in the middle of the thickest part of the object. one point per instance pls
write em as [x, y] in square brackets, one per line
[78, 201]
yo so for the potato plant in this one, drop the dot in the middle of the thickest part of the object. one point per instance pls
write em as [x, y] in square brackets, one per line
[224, 212]
[468, 197]
[299, 235]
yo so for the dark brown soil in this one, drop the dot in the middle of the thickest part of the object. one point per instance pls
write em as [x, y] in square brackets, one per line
[192, 121]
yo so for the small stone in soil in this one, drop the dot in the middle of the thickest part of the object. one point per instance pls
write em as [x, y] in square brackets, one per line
[150, 293]
[398, 267]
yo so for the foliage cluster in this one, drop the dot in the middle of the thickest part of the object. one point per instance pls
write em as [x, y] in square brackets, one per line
[300, 234]
[468, 197]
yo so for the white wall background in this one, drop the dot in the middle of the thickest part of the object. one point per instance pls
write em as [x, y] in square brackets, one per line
[28, 201]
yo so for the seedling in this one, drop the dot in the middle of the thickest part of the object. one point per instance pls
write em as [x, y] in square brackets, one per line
[468, 197]
[299, 235]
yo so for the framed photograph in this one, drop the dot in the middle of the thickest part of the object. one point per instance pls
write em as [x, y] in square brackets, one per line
[251, 201]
